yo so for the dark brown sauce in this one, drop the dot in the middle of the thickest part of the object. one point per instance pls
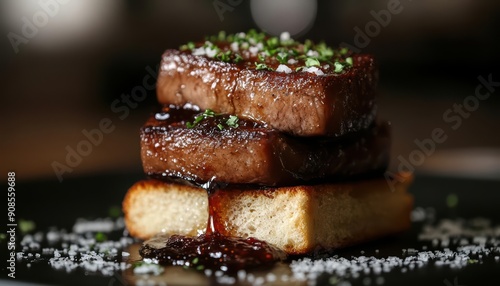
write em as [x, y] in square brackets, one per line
[212, 250]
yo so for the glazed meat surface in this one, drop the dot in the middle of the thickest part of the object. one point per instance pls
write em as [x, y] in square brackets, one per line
[298, 103]
[247, 152]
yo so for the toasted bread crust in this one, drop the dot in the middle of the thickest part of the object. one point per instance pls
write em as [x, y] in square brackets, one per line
[298, 103]
[298, 219]
[152, 206]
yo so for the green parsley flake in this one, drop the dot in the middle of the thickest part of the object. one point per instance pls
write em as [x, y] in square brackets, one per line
[114, 211]
[349, 61]
[100, 237]
[282, 57]
[224, 56]
[26, 226]
[199, 118]
[310, 62]
[232, 121]
[261, 66]
[272, 42]
[272, 50]
[338, 67]
[220, 126]
[237, 58]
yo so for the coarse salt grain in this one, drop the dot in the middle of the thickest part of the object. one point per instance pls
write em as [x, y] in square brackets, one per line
[283, 68]
[285, 36]
[234, 46]
[314, 70]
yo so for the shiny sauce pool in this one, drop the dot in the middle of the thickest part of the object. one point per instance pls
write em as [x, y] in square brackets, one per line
[212, 250]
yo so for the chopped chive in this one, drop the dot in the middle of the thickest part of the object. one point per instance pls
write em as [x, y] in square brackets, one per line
[312, 62]
[220, 126]
[224, 56]
[238, 58]
[261, 66]
[282, 57]
[349, 61]
[221, 36]
[338, 67]
[232, 121]
[100, 237]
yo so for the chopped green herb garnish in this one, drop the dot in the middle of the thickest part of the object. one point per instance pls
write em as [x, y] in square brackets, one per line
[100, 237]
[338, 67]
[199, 118]
[349, 61]
[307, 45]
[221, 36]
[220, 126]
[272, 42]
[282, 57]
[261, 66]
[200, 267]
[195, 260]
[232, 121]
[26, 226]
[114, 211]
[268, 51]
[310, 62]
[188, 46]
[238, 58]
[224, 56]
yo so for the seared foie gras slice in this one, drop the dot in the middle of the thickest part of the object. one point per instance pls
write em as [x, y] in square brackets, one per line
[247, 152]
[309, 94]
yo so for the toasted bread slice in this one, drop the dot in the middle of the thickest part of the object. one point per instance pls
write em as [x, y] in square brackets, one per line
[299, 102]
[297, 219]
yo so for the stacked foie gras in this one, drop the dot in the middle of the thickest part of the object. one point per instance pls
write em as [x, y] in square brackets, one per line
[283, 136]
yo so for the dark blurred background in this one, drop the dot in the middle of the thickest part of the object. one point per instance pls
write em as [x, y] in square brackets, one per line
[66, 65]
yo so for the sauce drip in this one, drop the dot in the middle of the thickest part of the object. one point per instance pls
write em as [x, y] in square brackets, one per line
[212, 250]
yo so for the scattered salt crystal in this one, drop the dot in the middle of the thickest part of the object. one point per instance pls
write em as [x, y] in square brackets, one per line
[283, 68]
[270, 277]
[312, 53]
[234, 46]
[259, 281]
[210, 51]
[285, 36]
[199, 51]
[314, 70]
[253, 50]
[146, 268]
[292, 61]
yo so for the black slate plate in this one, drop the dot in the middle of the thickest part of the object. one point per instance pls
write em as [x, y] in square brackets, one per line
[49, 203]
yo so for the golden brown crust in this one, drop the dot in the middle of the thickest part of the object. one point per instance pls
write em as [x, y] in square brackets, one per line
[298, 103]
[298, 219]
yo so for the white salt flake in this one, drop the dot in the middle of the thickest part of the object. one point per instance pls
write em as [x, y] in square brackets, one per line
[285, 36]
[283, 68]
